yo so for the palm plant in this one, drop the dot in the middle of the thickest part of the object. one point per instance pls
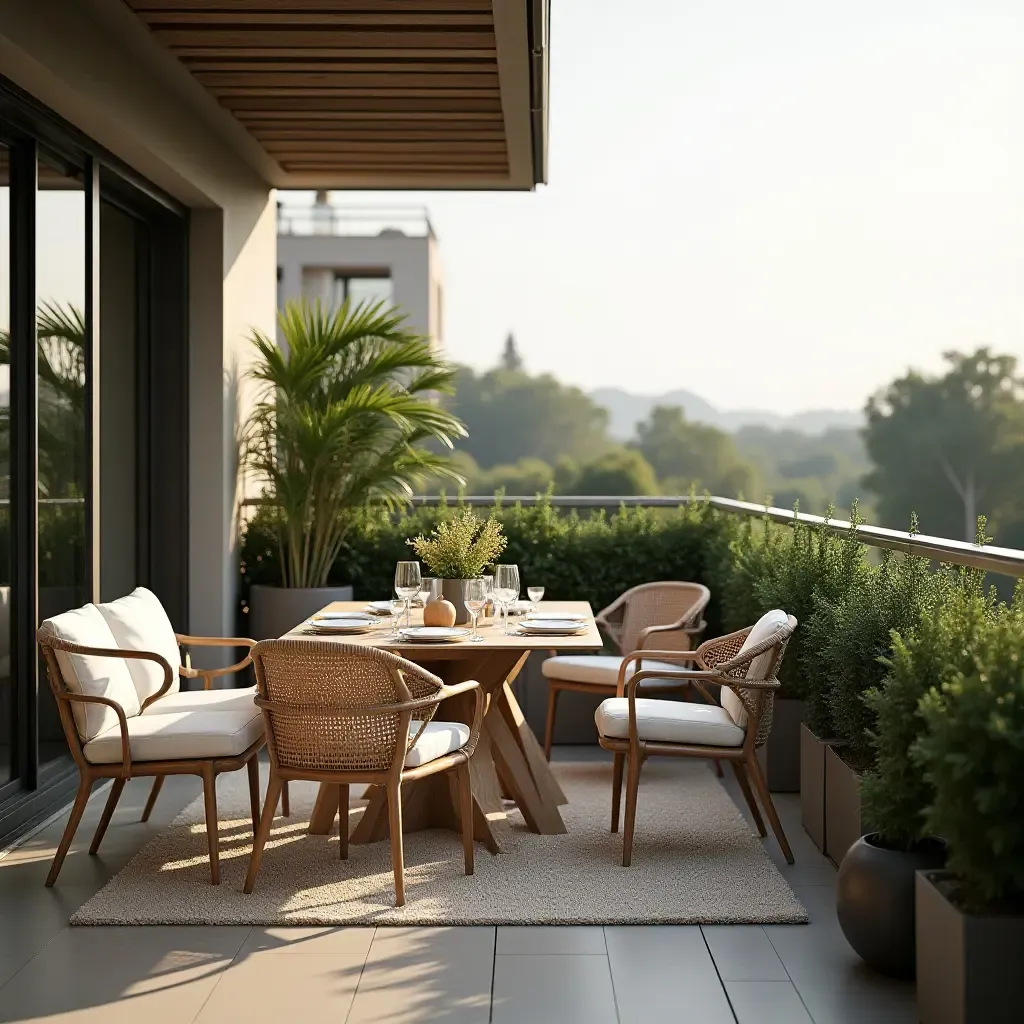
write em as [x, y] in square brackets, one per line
[343, 419]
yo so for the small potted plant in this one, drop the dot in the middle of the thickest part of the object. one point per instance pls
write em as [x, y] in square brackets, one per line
[875, 889]
[459, 549]
[970, 919]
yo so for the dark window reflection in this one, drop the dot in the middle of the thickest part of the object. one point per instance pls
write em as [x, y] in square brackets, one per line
[60, 316]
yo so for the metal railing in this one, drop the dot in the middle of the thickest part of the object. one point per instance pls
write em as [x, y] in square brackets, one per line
[367, 222]
[1008, 561]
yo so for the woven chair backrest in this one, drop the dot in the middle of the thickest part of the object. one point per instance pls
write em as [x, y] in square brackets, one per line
[319, 693]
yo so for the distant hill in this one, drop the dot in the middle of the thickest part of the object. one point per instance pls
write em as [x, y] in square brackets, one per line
[627, 410]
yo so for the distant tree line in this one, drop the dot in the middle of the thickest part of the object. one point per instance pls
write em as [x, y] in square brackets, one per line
[949, 447]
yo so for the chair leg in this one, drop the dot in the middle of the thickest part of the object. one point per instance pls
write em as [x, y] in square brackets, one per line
[263, 832]
[108, 813]
[618, 763]
[549, 725]
[343, 820]
[397, 854]
[158, 784]
[253, 768]
[466, 813]
[210, 793]
[754, 771]
[285, 804]
[741, 777]
[81, 799]
[632, 785]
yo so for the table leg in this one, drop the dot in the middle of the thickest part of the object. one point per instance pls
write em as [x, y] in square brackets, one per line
[325, 810]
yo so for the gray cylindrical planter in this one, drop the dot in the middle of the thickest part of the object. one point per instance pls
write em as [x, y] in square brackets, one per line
[452, 591]
[273, 611]
[966, 963]
[779, 758]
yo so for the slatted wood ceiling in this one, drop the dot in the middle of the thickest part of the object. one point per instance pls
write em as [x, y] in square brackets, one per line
[349, 86]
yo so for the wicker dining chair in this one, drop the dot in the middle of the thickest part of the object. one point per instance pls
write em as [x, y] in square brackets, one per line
[745, 664]
[115, 731]
[340, 714]
[668, 613]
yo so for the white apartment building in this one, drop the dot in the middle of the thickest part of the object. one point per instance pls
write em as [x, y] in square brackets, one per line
[330, 252]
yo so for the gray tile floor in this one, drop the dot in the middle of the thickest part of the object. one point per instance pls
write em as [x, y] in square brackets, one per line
[780, 974]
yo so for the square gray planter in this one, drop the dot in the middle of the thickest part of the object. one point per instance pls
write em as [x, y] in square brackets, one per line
[843, 824]
[273, 611]
[780, 756]
[812, 785]
[968, 966]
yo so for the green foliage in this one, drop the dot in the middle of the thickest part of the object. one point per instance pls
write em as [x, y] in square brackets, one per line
[460, 548]
[814, 470]
[972, 754]
[618, 472]
[896, 793]
[692, 455]
[893, 595]
[592, 557]
[952, 446]
[344, 409]
[510, 415]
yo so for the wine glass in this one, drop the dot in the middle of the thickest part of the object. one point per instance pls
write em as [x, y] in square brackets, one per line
[536, 595]
[426, 589]
[474, 596]
[506, 587]
[407, 585]
[395, 607]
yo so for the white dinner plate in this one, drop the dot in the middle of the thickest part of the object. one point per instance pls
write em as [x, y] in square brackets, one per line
[380, 607]
[343, 627]
[552, 627]
[434, 634]
[341, 617]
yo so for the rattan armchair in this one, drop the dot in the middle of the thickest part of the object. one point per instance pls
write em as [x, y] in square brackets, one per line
[237, 746]
[340, 714]
[745, 665]
[667, 614]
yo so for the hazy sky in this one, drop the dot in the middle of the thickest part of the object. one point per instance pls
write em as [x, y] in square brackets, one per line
[777, 204]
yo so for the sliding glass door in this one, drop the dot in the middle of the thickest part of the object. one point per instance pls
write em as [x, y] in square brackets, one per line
[93, 416]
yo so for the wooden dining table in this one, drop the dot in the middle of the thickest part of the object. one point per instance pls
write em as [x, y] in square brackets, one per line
[508, 760]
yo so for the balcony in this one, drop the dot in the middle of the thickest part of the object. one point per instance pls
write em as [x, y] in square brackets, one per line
[592, 972]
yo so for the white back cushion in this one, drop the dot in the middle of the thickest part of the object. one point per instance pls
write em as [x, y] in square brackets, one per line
[766, 627]
[139, 623]
[94, 677]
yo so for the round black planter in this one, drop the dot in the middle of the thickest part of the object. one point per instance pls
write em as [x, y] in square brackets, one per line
[875, 900]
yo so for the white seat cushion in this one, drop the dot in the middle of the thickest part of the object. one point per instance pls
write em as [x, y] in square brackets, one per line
[767, 626]
[92, 676]
[204, 700]
[437, 739]
[669, 721]
[602, 669]
[139, 623]
[186, 735]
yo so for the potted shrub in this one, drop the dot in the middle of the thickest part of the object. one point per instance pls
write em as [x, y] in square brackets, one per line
[970, 919]
[459, 549]
[875, 888]
[889, 596]
[343, 412]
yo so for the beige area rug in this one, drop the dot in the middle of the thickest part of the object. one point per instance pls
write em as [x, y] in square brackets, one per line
[695, 860]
